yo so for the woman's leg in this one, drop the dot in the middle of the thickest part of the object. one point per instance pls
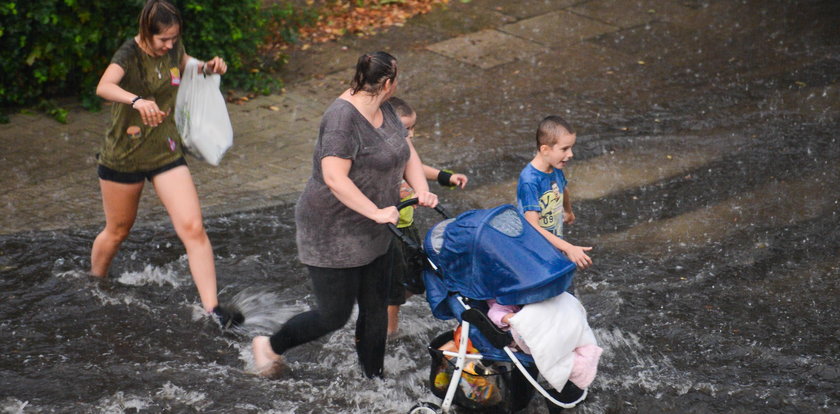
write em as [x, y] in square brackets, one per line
[177, 192]
[119, 202]
[372, 325]
[335, 294]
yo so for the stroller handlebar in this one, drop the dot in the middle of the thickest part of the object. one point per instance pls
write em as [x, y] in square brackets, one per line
[400, 234]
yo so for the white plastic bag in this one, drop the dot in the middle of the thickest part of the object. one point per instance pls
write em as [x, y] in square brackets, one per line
[201, 115]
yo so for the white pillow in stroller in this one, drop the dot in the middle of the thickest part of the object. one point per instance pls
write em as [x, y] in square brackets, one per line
[553, 329]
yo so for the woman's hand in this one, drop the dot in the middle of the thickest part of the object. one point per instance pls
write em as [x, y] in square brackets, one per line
[149, 112]
[215, 65]
[386, 215]
[426, 199]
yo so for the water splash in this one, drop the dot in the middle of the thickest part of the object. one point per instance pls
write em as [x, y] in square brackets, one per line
[154, 275]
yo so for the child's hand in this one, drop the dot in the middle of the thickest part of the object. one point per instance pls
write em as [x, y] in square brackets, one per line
[578, 257]
[506, 318]
[459, 180]
[568, 217]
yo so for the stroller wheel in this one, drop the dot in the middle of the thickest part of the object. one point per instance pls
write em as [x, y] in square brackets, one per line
[424, 408]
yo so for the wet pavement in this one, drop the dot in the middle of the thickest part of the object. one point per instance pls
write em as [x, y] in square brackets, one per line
[613, 63]
[705, 175]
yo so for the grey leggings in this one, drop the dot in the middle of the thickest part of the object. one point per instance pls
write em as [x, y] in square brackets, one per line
[336, 291]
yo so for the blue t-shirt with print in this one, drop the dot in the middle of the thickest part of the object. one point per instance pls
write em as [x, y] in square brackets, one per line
[542, 192]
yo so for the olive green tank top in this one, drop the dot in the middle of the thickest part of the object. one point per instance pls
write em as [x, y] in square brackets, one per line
[129, 145]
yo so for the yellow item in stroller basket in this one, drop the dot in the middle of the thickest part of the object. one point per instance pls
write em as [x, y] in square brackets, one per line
[478, 384]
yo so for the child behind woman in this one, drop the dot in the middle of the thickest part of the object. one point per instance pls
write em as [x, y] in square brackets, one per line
[406, 274]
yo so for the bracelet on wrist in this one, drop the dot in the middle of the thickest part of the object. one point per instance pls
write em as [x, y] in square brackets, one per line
[443, 178]
[134, 101]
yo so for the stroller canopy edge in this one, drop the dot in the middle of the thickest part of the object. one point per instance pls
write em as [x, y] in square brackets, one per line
[496, 254]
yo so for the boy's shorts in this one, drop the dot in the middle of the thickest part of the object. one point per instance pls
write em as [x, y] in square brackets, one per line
[407, 269]
[108, 174]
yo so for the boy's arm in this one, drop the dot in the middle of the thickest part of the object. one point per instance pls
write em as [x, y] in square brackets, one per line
[568, 214]
[575, 253]
[430, 172]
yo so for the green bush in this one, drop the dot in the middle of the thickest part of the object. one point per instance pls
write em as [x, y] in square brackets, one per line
[55, 48]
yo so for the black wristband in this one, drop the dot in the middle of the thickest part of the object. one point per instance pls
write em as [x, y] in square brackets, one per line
[134, 101]
[443, 178]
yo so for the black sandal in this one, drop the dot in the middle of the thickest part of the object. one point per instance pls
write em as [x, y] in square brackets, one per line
[228, 317]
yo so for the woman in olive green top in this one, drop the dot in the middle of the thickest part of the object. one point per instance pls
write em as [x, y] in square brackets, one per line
[143, 144]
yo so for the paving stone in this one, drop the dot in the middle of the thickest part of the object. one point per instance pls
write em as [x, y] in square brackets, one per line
[427, 75]
[522, 9]
[321, 92]
[626, 14]
[486, 49]
[664, 43]
[558, 28]
[414, 34]
[317, 61]
[458, 18]
[583, 68]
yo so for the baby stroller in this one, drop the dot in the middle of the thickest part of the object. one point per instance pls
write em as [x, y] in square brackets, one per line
[480, 255]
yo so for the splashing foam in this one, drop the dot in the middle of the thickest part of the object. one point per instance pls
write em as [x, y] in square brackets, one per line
[265, 311]
[152, 275]
[13, 405]
[120, 403]
[649, 369]
[195, 399]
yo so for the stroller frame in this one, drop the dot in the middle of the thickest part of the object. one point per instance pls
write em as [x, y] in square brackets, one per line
[461, 356]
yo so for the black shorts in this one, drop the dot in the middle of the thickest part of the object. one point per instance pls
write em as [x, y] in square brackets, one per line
[407, 268]
[108, 174]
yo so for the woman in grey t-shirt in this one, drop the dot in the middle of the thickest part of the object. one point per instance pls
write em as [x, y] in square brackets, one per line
[360, 158]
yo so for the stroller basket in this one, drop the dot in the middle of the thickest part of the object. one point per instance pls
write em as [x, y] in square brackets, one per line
[486, 385]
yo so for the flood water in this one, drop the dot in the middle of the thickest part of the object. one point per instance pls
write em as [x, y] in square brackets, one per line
[712, 201]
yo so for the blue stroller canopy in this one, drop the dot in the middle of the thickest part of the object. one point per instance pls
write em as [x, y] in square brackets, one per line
[493, 254]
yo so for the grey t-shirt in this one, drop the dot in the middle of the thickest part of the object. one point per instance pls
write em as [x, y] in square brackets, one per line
[329, 234]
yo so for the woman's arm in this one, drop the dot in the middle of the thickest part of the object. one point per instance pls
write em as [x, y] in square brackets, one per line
[336, 175]
[109, 88]
[416, 178]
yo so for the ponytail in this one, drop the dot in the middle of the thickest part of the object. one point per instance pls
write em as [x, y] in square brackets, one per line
[372, 70]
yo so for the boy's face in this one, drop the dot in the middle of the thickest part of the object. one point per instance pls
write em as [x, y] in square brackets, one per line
[560, 153]
[409, 122]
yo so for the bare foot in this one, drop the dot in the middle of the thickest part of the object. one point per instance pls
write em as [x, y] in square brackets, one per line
[266, 363]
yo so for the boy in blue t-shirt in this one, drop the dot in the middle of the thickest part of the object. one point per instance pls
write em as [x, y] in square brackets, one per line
[541, 194]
